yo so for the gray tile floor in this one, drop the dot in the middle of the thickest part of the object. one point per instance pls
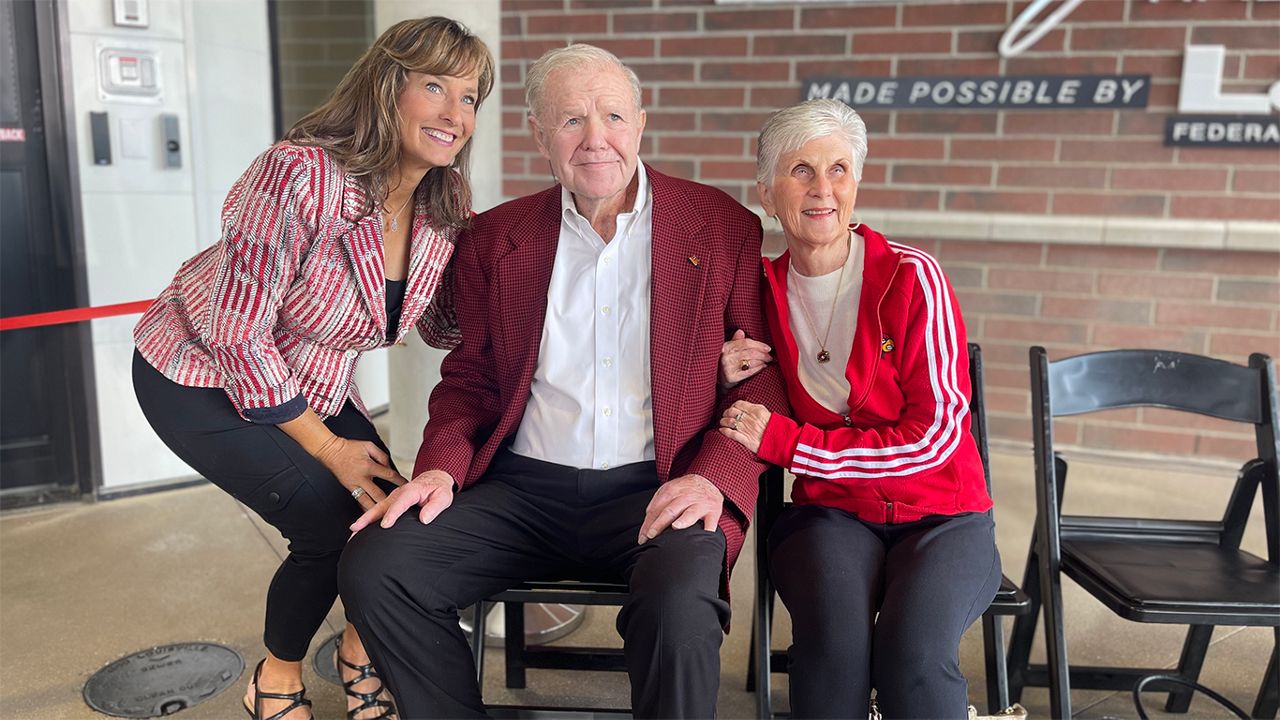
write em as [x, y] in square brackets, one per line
[83, 584]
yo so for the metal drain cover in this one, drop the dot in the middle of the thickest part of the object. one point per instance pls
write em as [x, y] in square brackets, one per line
[163, 680]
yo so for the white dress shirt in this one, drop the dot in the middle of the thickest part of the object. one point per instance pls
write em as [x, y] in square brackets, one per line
[590, 404]
[819, 300]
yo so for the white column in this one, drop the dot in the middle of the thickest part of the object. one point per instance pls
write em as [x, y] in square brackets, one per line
[414, 367]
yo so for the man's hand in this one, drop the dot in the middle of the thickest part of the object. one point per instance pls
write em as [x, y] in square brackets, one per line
[433, 490]
[679, 504]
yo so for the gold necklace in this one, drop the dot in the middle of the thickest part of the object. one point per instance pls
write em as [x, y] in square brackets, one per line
[823, 355]
[395, 217]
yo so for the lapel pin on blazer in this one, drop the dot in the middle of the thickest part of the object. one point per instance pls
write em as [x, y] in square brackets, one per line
[694, 261]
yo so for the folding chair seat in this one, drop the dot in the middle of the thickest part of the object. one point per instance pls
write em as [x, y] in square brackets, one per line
[1151, 570]
[1010, 600]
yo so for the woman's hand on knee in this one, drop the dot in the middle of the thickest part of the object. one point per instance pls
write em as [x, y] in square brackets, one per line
[355, 463]
[432, 490]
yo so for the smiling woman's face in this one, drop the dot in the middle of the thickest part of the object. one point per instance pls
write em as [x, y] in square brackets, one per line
[812, 192]
[437, 118]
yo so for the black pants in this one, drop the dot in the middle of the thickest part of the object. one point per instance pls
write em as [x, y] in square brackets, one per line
[929, 580]
[525, 519]
[264, 468]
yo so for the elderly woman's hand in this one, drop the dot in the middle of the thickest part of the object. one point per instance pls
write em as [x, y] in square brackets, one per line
[742, 357]
[745, 422]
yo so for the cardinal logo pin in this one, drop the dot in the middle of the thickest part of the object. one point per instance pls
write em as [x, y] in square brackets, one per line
[886, 345]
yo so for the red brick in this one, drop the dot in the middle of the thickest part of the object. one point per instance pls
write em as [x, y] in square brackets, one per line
[753, 71]
[1139, 440]
[1264, 11]
[978, 41]
[1163, 285]
[843, 67]
[1058, 65]
[1163, 417]
[990, 253]
[1130, 336]
[701, 145]
[1260, 181]
[1214, 316]
[624, 48]
[942, 174]
[989, 303]
[1051, 177]
[1261, 292]
[1168, 67]
[1002, 149]
[1182, 11]
[703, 46]
[566, 23]
[1242, 345]
[513, 166]
[1116, 415]
[528, 5]
[664, 22]
[948, 66]
[1135, 312]
[1003, 377]
[750, 122]
[1262, 67]
[1036, 331]
[773, 97]
[1228, 156]
[1058, 123]
[512, 25]
[1262, 36]
[967, 13]
[1108, 203]
[729, 170]
[675, 168]
[849, 17]
[659, 120]
[998, 201]
[662, 71]
[792, 45]
[1008, 401]
[528, 49]
[873, 173]
[1150, 124]
[1218, 207]
[916, 148]
[1128, 38]
[513, 96]
[520, 188]
[885, 198]
[946, 122]
[1016, 428]
[1163, 94]
[686, 3]
[901, 43]
[963, 276]
[1239, 448]
[1169, 179]
[598, 4]
[1222, 262]
[1115, 151]
[518, 142]
[1041, 280]
[1090, 11]
[771, 19]
[702, 96]
[1110, 258]
[513, 72]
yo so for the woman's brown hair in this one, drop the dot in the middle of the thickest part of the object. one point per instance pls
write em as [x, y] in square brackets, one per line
[359, 123]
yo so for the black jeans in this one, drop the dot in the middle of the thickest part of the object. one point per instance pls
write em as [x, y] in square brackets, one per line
[929, 580]
[526, 519]
[264, 468]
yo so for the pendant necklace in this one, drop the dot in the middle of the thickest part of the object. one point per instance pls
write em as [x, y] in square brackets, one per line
[395, 217]
[823, 355]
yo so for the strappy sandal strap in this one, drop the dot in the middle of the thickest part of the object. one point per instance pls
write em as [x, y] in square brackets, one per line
[297, 700]
[368, 700]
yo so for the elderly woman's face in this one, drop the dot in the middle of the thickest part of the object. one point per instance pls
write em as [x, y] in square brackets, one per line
[813, 191]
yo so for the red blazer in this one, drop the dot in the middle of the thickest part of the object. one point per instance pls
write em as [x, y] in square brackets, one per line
[284, 303]
[706, 285]
[904, 451]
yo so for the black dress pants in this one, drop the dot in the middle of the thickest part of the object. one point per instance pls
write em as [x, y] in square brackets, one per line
[929, 580]
[265, 469]
[525, 519]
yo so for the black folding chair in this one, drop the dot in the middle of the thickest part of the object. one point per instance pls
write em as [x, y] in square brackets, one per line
[1183, 572]
[1009, 599]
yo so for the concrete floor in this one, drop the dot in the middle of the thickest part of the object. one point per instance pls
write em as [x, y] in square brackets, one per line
[84, 584]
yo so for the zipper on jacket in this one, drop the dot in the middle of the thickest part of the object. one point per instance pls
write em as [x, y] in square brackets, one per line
[875, 361]
[888, 512]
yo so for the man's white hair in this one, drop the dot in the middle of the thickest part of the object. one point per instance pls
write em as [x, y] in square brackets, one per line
[790, 128]
[576, 56]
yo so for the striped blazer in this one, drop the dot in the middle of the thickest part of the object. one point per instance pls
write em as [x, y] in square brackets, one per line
[904, 449]
[279, 309]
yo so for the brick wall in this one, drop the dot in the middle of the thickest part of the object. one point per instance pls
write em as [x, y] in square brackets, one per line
[712, 73]
[317, 42]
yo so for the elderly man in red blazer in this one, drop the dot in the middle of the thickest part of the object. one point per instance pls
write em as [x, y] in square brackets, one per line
[573, 430]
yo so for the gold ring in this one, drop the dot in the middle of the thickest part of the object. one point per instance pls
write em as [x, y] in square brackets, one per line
[745, 366]
[734, 425]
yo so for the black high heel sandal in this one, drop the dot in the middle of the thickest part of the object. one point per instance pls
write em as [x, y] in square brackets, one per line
[368, 700]
[299, 699]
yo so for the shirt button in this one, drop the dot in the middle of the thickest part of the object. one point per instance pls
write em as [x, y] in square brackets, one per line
[604, 466]
[607, 362]
[351, 354]
[606, 259]
[605, 309]
[607, 411]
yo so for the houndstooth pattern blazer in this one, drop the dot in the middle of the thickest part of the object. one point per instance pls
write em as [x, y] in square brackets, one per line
[706, 285]
[294, 291]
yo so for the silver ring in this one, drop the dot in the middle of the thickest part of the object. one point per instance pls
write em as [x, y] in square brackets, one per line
[737, 419]
[357, 492]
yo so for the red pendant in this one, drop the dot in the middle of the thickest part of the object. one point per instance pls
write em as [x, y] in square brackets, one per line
[824, 356]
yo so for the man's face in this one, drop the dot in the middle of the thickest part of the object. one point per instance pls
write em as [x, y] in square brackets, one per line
[589, 127]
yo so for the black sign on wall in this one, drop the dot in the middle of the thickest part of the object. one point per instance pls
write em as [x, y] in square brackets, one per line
[1231, 131]
[981, 92]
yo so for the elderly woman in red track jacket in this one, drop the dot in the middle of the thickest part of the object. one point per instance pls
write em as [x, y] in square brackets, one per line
[889, 496]
[334, 242]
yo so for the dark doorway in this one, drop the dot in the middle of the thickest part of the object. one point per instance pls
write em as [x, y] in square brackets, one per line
[44, 413]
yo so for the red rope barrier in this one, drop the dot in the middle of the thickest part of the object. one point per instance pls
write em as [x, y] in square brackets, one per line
[72, 315]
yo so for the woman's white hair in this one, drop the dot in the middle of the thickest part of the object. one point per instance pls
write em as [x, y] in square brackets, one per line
[578, 55]
[790, 128]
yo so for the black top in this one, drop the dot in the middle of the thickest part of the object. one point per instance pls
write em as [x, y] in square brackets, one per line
[395, 301]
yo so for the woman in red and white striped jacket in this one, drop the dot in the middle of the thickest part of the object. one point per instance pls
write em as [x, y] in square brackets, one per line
[334, 242]
[889, 497]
